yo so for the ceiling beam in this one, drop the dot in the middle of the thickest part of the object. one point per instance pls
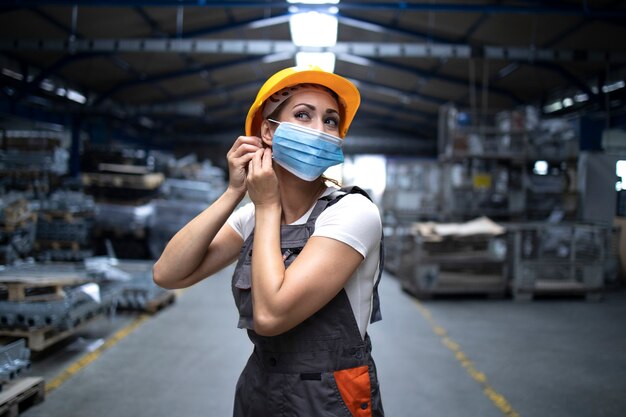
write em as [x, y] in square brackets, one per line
[116, 60]
[538, 9]
[265, 47]
[171, 75]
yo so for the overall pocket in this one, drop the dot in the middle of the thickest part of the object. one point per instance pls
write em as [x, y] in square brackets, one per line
[354, 387]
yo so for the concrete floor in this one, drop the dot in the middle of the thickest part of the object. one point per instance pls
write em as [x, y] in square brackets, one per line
[439, 358]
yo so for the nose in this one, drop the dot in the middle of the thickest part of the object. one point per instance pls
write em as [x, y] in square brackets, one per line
[318, 124]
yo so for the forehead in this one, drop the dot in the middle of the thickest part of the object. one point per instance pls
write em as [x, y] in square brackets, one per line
[317, 98]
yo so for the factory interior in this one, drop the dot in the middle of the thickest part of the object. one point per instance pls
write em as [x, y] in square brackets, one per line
[490, 136]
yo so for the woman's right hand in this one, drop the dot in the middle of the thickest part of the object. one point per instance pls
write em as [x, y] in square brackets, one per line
[239, 155]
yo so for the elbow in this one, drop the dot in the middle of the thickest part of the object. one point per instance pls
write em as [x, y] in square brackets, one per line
[159, 279]
[268, 325]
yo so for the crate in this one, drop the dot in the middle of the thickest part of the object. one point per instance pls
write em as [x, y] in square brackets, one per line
[433, 259]
[559, 259]
[20, 394]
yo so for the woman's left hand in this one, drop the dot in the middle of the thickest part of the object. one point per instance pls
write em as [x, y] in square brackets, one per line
[261, 180]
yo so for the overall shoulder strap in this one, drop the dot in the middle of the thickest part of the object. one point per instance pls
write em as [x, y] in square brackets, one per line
[334, 198]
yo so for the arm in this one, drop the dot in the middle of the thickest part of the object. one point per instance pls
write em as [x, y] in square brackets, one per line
[206, 244]
[283, 298]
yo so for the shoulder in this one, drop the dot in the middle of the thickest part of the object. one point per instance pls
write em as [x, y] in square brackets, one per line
[354, 220]
[354, 206]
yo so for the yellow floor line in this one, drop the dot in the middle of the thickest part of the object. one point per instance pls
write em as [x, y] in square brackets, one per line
[496, 398]
[74, 368]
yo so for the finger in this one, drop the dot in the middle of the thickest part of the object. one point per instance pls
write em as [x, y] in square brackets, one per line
[245, 143]
[255, 163]
[267, 158]
[244, 159]
[251, 140]
[244, 149]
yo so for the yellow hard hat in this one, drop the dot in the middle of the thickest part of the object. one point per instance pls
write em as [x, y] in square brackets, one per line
[349, 97]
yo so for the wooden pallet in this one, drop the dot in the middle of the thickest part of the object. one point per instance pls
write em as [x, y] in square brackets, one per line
[25, 221]
[39, 339]
[16, 214]
[45, 288]
[73, 245]
[160, 302]
[66, 216]
[20, 394]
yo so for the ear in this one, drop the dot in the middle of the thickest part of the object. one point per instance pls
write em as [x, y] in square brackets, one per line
[266, 133]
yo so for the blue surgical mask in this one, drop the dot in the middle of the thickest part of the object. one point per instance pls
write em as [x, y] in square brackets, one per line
[305, 152]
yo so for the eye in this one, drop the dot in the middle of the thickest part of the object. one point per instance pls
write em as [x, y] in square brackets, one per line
[332, 121]
[302, 115]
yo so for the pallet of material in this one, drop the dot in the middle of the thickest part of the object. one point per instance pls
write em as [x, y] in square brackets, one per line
[15, 212]
[69, 217]
[26, 220]
[38, 288]
[39, 283]
[39, 339]
[429, 281]
[134, 181]
[161, 301]
[20, 394]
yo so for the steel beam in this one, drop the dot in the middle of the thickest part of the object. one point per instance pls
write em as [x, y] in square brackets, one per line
[266, 47]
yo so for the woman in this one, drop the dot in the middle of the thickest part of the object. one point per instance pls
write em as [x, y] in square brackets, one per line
[309, 255]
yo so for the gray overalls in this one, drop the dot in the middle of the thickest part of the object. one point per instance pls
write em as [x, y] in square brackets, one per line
[322, 367]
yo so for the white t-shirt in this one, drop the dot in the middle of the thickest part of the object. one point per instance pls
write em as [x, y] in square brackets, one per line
[355, 221]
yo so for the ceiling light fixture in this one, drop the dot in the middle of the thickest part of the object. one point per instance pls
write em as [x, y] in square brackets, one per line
[313, 29]
[313, 1]
[324, 60]
[581, 97]
[552, 107]
[607, 88]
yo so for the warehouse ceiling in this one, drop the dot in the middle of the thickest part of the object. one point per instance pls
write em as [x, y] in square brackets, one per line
[181, 71]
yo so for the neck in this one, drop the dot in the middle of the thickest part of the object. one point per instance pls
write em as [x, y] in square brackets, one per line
[297, 196]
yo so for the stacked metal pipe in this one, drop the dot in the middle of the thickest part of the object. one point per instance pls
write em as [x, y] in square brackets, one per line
[17, 227]
[52, 161]
[133, 278]
[80, 300]
[65, 225]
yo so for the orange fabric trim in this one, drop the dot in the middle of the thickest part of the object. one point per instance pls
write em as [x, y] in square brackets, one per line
[355, 389]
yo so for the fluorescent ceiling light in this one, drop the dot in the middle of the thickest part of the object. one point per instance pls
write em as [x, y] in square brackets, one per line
[313, 1]
[620, 169]
[550, 108]
[313, 29]
[76, 96]
[12, 74]
[607, 88]
[324, 60]
[541, 168]
[581, 97]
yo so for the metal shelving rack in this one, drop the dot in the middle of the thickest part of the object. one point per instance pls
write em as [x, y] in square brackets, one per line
[486, 159]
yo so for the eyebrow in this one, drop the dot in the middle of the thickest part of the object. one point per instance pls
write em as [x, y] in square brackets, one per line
[330, 110]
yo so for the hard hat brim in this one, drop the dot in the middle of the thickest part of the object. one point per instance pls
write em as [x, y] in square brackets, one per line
[349, 97]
